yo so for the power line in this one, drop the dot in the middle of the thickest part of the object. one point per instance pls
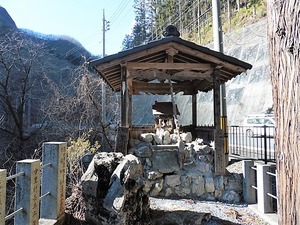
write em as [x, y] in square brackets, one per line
[119, 10]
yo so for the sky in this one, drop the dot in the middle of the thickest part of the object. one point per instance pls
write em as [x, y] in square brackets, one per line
[79, 19]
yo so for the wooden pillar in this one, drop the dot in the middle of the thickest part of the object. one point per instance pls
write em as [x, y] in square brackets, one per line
[123, 131]
[219, 133]
[130, 110]
[194, 109]
[124, 97]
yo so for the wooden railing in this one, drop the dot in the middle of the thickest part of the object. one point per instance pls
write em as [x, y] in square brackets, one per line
[39, 189]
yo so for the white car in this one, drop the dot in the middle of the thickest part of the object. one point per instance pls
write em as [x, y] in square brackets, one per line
[259, 126]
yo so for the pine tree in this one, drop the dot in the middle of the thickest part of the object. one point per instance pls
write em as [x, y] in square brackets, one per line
[141, 31]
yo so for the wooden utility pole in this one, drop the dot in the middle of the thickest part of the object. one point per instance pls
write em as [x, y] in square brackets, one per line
[284, 49]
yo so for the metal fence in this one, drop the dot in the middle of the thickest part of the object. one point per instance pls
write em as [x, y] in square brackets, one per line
[252, 142]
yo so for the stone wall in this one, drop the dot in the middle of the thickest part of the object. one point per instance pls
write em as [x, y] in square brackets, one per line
[187, 173]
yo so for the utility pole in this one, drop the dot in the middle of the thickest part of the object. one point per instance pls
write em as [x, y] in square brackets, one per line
[218, 46]
[105, 27]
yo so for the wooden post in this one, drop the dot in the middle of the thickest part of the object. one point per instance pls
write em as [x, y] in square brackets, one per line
[130, 110]
[54, 180]
[194, 110]
[28, 192]
[219, 133]
[122, 140]
[2, 195]
[124, 98]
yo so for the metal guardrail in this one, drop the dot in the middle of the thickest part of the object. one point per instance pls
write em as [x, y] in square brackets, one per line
[13, 214]
[15, 176]
[275, 185]
[255, 142]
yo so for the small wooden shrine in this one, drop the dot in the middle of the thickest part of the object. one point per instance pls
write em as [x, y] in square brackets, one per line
[164, 115]
[171, 63]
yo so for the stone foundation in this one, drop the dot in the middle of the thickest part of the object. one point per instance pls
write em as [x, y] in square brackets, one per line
[115, 189]
[184, 174]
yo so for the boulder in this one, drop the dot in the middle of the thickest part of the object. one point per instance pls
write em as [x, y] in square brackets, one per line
[197, 185]
[112, 192]
[231, 196]
[186, 137]
[166, 138]
[153, 175]
[143, 151]
[147, 137]
[165, 161]
[158, 139]
[157, 187]
[209, 184]
[173, 180]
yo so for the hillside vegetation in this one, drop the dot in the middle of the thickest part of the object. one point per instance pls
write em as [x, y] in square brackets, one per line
[192, 18]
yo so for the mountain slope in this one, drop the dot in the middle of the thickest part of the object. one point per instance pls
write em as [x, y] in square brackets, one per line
[5, 20]
[62, 47]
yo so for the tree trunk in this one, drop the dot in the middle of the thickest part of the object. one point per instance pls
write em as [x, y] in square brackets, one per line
[283, 29]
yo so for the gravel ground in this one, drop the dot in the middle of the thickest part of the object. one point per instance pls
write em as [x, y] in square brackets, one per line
[235, 167]
[221, 213]
[225, 214]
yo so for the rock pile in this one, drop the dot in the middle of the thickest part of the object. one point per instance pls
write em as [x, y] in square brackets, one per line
[115, 189]
[185, 172]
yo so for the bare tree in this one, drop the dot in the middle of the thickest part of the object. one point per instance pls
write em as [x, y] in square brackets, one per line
[77, 107]
[284, 39]
[19, 63]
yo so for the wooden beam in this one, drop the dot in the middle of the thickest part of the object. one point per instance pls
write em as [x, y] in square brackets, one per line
[203, 85]
[168, 66]
[212, 59]
[159, 88]
[130, 85]
[149, 75]
[120, 60]
[160, 75]
[190, 75]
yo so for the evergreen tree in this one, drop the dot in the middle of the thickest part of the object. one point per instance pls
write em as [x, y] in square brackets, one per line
[141, 30]
[127, 42]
